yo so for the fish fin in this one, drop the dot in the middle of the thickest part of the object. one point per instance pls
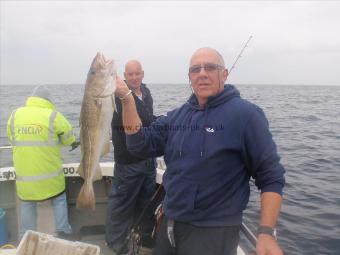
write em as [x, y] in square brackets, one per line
[86, 198]
[80, 170]
[98, 174]
[106, 148]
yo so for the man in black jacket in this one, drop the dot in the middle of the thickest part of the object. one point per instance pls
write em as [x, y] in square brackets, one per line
[133, 181]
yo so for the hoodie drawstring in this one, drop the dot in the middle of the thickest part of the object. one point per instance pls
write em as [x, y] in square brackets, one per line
[227, 94]
[187, 129]
[186, 126]
[205, 121]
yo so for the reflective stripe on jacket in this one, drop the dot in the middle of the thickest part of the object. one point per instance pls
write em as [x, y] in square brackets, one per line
[37, 132]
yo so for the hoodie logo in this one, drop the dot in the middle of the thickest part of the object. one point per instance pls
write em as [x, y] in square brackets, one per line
[210, 130]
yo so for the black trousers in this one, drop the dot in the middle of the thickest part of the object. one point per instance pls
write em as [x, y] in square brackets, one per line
[132, 187]
[192, 240]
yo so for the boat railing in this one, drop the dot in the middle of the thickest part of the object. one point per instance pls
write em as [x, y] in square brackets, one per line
[5, 147]
[249, 235]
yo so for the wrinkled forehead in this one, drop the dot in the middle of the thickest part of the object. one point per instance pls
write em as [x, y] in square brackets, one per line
[206, 55]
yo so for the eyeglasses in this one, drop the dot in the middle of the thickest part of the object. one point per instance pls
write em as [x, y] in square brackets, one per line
[209, 67]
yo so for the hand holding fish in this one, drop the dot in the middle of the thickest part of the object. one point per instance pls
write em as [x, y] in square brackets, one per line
[122, 90]
[131, 120]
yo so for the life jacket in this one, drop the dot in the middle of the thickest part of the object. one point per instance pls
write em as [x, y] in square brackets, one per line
[37, 132]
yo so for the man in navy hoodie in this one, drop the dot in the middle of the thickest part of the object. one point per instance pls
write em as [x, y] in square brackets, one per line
[212, 145]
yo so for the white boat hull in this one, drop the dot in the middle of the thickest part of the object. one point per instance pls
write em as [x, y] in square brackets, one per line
[78, 219]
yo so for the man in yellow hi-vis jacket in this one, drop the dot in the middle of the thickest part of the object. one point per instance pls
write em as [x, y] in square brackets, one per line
[37, 131]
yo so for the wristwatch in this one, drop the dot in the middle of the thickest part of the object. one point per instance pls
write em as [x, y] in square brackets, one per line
[267, 230]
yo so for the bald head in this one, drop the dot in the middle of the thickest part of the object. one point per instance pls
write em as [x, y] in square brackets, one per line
[209, 53]
[133, 64]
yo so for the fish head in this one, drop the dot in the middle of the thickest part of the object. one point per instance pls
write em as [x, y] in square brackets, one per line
[101, 78]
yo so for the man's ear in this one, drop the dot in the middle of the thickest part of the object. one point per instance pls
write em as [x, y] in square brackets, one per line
[225, 74]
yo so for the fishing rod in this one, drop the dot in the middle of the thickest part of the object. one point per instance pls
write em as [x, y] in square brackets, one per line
[135, 236]
[239, 55]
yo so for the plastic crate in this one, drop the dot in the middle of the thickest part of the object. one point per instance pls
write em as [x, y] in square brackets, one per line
[36, 243]
[8, 251]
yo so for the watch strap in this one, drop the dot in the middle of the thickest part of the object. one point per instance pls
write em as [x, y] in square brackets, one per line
[266, 230]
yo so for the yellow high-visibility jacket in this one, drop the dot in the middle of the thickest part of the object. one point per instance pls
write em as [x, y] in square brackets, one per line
[37, 132]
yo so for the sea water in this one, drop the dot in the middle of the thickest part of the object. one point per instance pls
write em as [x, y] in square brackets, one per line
[305, 123]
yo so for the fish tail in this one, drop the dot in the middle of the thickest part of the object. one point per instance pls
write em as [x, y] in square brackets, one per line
[86, 198]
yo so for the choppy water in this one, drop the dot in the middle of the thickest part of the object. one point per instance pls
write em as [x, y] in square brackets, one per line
[305, 122]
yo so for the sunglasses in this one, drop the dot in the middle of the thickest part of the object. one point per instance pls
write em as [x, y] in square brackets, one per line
[209, 67]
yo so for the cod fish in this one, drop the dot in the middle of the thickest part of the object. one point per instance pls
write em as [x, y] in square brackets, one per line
[95, 125]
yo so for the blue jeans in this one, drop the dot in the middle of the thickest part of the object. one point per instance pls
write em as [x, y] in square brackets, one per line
[133, 185]
[29, 215]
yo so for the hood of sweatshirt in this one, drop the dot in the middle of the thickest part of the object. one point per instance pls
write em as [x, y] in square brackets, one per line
[227, 94]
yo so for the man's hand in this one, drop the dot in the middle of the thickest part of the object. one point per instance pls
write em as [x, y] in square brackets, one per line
[74, 145]
[267, 245]
[121, 88]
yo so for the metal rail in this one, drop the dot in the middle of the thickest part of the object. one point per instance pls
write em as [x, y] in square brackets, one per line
[249, 234]
[6, 147]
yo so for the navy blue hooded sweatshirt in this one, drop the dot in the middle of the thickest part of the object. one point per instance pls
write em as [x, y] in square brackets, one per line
[210, 154]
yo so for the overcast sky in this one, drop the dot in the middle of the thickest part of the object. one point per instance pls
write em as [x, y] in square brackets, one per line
[51, 42]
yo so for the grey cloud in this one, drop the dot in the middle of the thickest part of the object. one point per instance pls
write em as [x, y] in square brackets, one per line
[294, 42]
